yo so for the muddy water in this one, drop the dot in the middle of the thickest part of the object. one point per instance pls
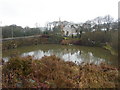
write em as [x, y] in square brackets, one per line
[77, 54]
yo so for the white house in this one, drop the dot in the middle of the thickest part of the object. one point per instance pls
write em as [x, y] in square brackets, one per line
[70, 29]
[67, 28]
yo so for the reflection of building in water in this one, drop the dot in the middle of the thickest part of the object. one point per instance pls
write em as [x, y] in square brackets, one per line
[80, 52]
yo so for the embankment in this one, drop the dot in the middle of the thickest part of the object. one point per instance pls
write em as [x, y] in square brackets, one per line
[44, 39]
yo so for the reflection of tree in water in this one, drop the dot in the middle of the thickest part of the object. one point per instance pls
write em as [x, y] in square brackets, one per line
[74, 53]
[90, 58]
[68, 54]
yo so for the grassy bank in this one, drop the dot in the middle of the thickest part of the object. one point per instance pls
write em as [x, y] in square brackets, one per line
[113, 51]
[53, 72]
[44, 39]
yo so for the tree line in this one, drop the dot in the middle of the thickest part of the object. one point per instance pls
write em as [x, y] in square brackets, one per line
[18, 31]
[105, 23]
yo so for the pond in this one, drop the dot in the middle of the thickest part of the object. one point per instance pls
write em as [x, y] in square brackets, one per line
[75, 53]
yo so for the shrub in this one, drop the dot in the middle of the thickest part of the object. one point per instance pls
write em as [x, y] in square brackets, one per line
[53, 72]
[96, 38]
[114, 40]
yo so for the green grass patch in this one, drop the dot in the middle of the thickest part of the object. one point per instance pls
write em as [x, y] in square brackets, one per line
[108, 47]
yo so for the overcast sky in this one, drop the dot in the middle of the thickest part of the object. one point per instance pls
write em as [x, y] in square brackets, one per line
[28, 12]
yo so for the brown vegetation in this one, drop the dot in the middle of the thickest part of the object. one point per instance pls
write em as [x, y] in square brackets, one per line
[67, 42]
[10, 44]
[53, 72]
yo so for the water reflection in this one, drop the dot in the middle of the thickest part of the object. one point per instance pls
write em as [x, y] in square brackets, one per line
[68, 55]
[73, 53]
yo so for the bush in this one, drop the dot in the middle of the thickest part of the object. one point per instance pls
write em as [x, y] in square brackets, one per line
[56, 39]
[114, 40]
[53, 72]
[96, 38]
[16, 70]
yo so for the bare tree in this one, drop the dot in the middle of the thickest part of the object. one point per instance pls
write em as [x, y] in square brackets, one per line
[98, 21]
[108, 21]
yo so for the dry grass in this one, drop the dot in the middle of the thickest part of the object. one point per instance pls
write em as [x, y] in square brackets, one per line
[52, 72]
